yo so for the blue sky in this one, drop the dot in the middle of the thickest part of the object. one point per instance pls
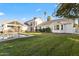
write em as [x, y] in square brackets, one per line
[25, 11]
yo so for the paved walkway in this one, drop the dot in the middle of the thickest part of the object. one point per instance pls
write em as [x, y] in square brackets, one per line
[11, 37]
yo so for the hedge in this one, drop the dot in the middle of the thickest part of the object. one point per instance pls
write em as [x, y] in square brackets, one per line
[43, 30]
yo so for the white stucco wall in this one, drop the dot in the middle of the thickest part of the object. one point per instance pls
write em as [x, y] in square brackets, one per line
[76, 21]
[43, 26]
[24, 28]
[67, 28]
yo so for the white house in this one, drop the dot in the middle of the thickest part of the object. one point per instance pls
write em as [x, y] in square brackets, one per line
[12, 26]
[61, 25]
[32, 24]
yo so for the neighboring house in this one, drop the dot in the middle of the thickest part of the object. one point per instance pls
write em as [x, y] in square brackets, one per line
[13, 26]
[61, 25]
[32, 24]
[24, 28]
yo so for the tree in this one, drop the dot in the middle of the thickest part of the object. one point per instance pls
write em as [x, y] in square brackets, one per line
[45, 13]
[68, 10]
[48, 18]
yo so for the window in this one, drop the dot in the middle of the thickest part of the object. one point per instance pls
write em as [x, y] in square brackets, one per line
[61, 27]
[10, 26]
[56, 27]
[31, 24]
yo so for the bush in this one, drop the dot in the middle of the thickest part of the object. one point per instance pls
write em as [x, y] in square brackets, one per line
[40, 30]
[48, 29]
[36, 30]
[44, 30]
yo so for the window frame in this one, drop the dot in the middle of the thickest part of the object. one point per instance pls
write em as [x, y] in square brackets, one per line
[61, 27]
[56, 27]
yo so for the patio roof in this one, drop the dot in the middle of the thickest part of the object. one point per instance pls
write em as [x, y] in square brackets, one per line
[15, 22]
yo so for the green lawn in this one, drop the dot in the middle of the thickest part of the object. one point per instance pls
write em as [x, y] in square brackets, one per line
[46, 44]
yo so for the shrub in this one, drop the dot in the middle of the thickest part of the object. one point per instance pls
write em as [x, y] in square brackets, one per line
[44, 30]
[48, 29]
[40, 30]
[36, 30]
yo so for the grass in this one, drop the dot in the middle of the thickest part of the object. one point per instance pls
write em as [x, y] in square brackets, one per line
[46, 44]
[32, 33]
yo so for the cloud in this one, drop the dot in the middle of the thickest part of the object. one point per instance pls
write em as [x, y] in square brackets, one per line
[1, 13]
[38, 10]
[23, 18]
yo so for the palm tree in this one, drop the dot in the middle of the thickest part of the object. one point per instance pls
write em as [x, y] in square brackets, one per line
[48, 18]
[45, 13]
